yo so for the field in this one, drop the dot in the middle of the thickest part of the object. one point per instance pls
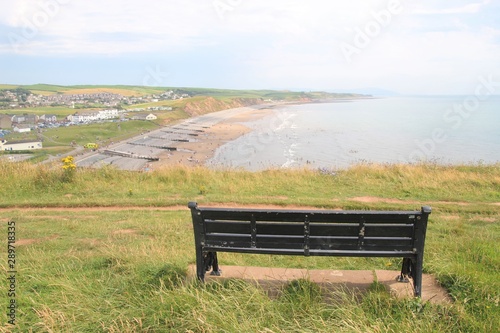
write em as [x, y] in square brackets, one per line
[102, 133]
[107, 250]
[48, 89]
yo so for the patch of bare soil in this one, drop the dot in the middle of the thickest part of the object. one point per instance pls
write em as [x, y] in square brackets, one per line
[29, 241]
[124, 232]
[258, 206]
[368, 199]
[272, 280]
[450, 217]
[485, 219]
[91, 209]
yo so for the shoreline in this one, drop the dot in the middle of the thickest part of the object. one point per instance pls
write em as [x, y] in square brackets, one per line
[227, 129]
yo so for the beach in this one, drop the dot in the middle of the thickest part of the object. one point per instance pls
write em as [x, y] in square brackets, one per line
[229, 128]
[191, 142]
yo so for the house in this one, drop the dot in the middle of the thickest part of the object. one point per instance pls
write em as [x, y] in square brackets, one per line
[22, 128]
[83, 117]
[48, 118]
[5, 121]
[108, 114]
[144, 116]
[25, 119]
[20, 145]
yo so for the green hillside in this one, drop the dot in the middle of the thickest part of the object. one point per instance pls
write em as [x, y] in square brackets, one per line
[147, 90]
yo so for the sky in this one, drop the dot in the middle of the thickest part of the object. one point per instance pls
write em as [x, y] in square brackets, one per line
[410, 47]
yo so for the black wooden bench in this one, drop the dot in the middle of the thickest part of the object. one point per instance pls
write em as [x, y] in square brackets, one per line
[348, 233]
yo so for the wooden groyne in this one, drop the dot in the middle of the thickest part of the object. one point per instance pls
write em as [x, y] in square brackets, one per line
[154, 146]
[130, 155]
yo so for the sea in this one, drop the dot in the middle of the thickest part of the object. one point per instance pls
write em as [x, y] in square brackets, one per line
[339, 134]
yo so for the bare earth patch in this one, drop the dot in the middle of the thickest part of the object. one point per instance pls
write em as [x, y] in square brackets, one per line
[272, 280]
[258, 206]
[92, 209]
[124, 232]
[450, 217]
[368, 199]
[377, 199]
[29, 241]
[485, 219]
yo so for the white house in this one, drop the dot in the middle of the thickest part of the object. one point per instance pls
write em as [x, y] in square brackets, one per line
[20, 145]
[109, 114]
[86, 117]
[144, 116]
[48, 118]
[22, 128]
[83, 117]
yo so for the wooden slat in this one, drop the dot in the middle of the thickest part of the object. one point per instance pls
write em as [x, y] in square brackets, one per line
[314, 216]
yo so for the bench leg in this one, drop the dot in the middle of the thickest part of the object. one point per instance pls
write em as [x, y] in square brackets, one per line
[412, 269]
[417, 276]
[215, 265]
[405, 270]
[210, 262]
[200, 264]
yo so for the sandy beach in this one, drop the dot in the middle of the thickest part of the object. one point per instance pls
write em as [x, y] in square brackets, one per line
[229, 128]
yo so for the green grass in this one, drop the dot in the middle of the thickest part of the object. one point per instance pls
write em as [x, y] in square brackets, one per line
[100, 132]
[59, 111]
[123, 269]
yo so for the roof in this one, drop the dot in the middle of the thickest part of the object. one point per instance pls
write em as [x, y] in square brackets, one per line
[22, 141]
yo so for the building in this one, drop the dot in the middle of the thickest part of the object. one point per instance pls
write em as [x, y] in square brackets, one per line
[144, 116]
[109, 114]
[20, 145]
[86, 117]
[83, 117]
[25, 119]
[48, 118]
[22, 128]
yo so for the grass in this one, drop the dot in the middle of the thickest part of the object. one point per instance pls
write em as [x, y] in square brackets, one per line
[122, 269]
[101, 133]
[59, 111]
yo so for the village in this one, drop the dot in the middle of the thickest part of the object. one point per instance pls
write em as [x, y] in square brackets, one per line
[28, 122]
[20, 98]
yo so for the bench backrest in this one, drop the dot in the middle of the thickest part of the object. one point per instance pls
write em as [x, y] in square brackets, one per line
[311, 232]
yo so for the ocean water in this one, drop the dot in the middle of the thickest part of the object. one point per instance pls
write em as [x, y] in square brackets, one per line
[444, 129]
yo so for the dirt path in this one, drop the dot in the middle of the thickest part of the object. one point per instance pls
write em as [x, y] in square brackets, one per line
[230, 204]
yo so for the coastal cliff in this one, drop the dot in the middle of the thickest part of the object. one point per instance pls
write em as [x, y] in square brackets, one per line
[206, 105]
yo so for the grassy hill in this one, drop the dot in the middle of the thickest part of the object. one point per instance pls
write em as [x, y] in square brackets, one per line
[107, 250]
[48, 89]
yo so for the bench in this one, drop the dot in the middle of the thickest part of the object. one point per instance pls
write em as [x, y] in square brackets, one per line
[348, 233]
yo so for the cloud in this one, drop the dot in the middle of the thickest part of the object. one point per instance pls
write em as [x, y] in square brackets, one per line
[72, 25]
[470, 8]
[101, 27]
[276, 43]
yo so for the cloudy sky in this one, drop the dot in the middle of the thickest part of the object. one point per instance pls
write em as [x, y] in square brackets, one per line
[424, 47]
